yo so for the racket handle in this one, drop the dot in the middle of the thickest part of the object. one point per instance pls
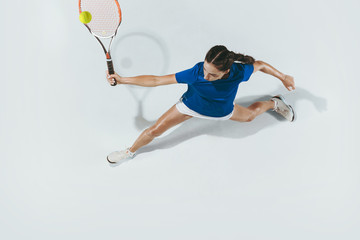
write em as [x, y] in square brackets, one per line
[111, 69]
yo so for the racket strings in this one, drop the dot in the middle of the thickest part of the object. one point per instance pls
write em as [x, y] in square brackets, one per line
[106, 16]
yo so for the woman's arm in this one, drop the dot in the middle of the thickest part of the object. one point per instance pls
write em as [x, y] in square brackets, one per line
[143, 80]
[287, 80]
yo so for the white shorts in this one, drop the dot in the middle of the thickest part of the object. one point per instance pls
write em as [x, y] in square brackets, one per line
[181, 107]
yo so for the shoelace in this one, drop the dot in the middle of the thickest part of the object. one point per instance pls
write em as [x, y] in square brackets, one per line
[284, 111]
[280, 110]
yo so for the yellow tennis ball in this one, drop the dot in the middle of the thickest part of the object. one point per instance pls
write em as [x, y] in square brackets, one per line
[85, 17]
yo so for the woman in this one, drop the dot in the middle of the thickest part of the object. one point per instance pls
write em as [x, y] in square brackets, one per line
[212, 87]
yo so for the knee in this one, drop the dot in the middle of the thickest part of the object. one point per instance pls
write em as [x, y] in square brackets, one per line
[252, 114]
[250, 118]
[154, 131]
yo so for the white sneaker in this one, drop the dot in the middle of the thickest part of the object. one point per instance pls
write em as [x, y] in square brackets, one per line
[282, 108]
[120, 156]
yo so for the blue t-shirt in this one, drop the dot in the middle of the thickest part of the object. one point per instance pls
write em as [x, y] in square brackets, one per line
[212, 98]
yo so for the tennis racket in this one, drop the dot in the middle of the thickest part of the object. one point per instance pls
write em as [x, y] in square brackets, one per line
[105, 21]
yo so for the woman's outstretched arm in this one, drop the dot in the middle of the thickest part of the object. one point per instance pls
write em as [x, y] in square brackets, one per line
[143, 80]
[264, 67]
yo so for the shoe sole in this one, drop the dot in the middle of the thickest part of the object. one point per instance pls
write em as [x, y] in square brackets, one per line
[281, 97]
[107, 158]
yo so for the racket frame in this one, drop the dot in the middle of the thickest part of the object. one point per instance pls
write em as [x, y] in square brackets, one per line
[106, 51]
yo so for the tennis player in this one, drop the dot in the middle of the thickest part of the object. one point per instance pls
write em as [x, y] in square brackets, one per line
[212, 87]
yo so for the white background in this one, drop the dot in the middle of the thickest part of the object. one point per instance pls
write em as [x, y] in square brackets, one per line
[267, 179]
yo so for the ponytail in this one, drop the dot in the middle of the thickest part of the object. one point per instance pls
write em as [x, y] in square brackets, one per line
[222, 58]
[243, 58]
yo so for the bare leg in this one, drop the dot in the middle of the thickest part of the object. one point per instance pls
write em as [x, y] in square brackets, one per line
[247, 114]
[168, 120]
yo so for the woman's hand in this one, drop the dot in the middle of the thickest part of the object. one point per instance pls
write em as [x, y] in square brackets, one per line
[289, 82]
[112, 78]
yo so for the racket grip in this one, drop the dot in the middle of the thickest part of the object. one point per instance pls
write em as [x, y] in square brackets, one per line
[111, 69]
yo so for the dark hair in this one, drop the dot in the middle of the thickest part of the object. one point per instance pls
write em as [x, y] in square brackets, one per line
[222, 58]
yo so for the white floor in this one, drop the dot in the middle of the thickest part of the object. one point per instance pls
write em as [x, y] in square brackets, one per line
[267, 179]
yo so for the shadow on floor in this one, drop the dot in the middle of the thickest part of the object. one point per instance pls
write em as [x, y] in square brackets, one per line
[229, 129]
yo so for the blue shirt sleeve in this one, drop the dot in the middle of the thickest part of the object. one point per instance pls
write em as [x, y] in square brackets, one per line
[188, 76]
[248, 70]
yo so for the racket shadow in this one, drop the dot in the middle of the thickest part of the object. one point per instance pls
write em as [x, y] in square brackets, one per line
[140, 121]
[196, 127]
[153, 57]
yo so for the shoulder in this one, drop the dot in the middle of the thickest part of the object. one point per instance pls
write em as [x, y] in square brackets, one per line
[199, 65]
[244, 71]
[247, 68]
[189, 76]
